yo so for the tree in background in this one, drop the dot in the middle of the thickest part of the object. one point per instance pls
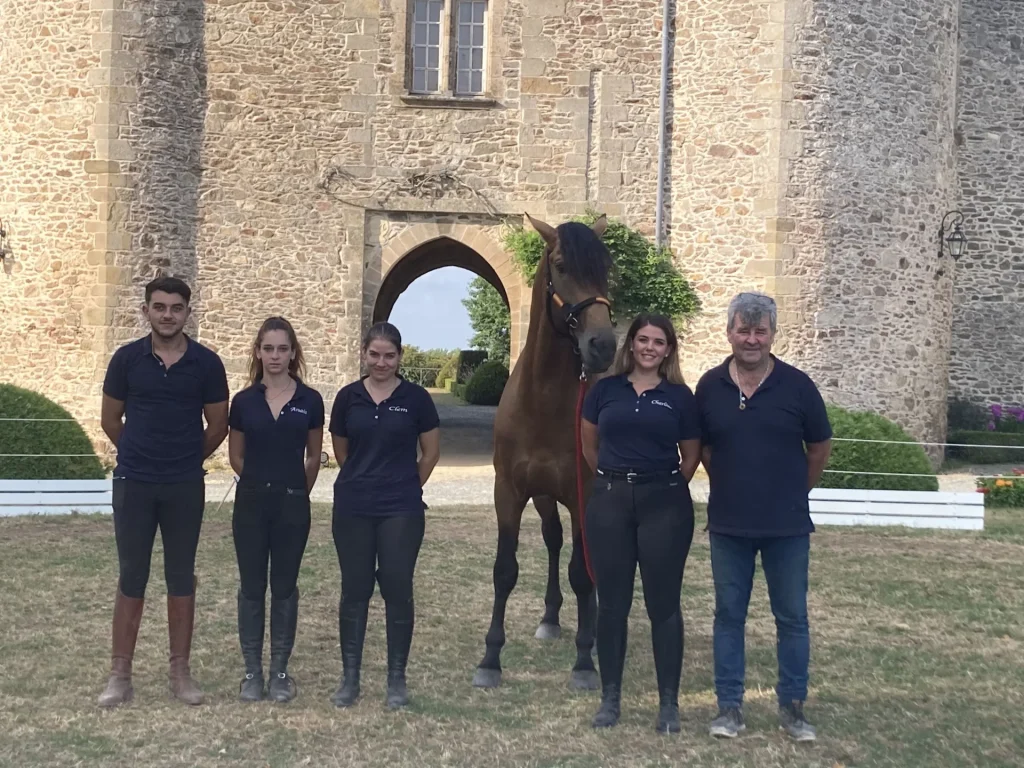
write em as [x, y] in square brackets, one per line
[490, 320]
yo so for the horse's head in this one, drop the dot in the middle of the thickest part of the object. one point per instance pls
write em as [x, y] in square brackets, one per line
[576, 265]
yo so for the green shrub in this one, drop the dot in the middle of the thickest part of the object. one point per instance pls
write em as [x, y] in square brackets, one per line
[487, 384]
[448, 371]
[43, 437]
[1003, 491]
[469, 361]
[986, 455]
[875, 457]
[459, 390]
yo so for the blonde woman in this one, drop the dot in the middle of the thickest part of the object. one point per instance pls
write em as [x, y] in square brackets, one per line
[641, 436]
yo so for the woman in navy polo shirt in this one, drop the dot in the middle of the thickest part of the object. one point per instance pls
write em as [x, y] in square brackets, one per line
[277, 430]
[377, 424]
[641, 435]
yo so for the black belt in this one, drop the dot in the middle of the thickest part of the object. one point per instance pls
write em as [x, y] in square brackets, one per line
[638, 478]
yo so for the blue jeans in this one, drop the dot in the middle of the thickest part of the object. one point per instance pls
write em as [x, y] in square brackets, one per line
[785, 562]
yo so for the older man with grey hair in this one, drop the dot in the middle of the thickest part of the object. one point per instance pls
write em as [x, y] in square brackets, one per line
[757, 414]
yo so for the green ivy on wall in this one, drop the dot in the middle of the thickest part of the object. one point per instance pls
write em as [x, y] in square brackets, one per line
[643, 279]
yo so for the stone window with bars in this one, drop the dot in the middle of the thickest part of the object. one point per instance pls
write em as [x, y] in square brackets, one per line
[447, 44]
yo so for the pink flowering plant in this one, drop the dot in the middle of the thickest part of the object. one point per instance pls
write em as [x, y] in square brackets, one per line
[1006, 418]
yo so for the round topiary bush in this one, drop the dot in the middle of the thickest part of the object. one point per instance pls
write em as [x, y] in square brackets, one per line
[448, 371]
[875, 457]
[487, 383]
[43, 437]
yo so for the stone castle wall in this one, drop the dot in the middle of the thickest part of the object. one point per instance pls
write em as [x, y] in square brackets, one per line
[272, 155]
[987, 359]
[871, 119]
[48, 101]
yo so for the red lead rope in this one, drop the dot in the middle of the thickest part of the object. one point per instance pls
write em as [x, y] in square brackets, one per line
[579, 474]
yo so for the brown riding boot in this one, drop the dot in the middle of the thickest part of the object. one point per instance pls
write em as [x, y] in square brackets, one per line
[180, 620]
[127, 617]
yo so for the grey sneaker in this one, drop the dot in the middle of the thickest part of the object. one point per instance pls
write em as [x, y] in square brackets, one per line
[793, 722]
[728, 724]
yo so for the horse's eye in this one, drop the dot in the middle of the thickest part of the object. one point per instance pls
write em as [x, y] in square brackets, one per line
[559, 267]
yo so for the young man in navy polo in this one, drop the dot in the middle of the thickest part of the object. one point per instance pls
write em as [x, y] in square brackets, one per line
[162, 385]
[757, 414]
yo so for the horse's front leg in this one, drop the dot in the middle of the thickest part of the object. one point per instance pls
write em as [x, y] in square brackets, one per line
[509, 508]
[584, 674]
[551, 529]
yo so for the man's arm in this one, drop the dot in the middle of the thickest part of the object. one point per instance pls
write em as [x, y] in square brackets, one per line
[216, 427]
[817, 458]
[705, 458]
[111, 412]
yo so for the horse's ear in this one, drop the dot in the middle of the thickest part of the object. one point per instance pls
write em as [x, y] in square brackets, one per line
[546, 230]
[600, 225]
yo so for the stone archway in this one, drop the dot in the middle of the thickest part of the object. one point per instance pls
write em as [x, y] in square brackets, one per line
[411, 250]
[434, 254]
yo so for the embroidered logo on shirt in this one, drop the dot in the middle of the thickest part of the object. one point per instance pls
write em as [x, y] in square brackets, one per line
[398, 408]
[662, 403]
[298, 410]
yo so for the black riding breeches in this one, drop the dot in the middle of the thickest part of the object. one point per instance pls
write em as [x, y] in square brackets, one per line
[651, 524]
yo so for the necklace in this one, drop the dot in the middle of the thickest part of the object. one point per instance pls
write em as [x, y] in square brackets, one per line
[743, 398]
[272, 394]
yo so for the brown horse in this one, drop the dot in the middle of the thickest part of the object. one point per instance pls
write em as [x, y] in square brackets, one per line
[534, 433]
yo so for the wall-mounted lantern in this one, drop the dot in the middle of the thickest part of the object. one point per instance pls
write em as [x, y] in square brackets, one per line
[956, 243]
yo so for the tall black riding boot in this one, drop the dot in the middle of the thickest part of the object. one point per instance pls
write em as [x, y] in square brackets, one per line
[250, 638]
[400, 620]
[351, 631]
[284, 616]
[667, 639]
[611, 657]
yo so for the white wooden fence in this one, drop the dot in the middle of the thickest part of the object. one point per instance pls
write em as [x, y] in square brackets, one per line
[55, 497]
[914, 509]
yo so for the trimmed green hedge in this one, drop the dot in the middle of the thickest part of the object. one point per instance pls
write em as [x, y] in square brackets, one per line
[487, 384]
[875, 457]
[986, 455]
[43, 437]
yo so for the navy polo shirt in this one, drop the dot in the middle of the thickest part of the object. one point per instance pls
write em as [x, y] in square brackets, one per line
[162, 441]
[640, 433]
[758, 462]
[380, 476]
[275, 450]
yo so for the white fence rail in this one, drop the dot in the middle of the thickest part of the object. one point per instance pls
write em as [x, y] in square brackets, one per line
[55, 497]
[914, 509]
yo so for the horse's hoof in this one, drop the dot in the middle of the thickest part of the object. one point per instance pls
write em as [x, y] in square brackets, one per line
[487, 678]
[584, 680]
[548, 632]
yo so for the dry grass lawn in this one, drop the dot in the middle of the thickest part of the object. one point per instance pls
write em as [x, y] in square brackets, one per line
[917, 660]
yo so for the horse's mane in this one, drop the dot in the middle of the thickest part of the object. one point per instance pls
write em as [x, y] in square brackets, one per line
[585, 257]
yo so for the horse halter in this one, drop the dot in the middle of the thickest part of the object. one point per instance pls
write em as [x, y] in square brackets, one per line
[570, 312]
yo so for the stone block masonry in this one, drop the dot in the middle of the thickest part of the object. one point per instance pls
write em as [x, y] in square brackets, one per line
[987, 358]
[273, 155]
